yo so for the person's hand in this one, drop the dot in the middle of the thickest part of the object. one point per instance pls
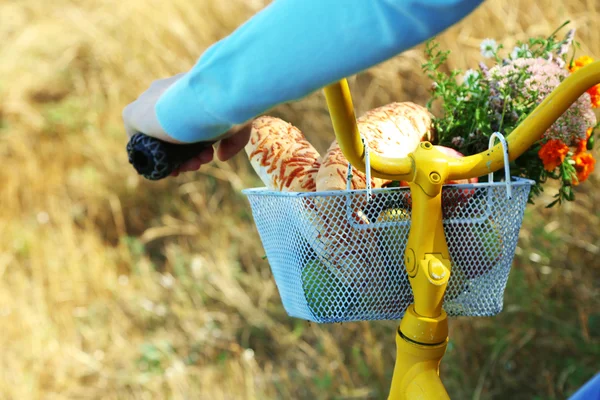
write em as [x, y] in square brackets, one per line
[140, 116]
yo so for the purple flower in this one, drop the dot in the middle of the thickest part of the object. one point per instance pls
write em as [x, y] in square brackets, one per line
[568, 40]
[542, 77]
[484, 69]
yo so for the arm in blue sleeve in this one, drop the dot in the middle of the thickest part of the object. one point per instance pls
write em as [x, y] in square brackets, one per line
[290, 49]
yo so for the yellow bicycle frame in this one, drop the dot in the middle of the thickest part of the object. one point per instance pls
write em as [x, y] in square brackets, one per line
[422, 336]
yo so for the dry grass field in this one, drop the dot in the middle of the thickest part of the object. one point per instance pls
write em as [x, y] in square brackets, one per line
[112, 287]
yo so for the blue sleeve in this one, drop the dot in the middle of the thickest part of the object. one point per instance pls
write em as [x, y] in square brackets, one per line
[589, 391]
[291, 49]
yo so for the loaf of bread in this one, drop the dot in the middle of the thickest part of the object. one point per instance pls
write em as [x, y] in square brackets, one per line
[393, 130]
[281, 156]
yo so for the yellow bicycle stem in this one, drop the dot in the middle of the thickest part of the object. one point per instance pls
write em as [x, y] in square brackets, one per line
[423, 332]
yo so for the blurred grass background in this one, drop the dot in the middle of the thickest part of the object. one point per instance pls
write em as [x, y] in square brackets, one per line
[112, 287]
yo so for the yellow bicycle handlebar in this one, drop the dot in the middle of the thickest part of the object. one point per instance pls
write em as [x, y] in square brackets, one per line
[341, 110]
[422, 335]
[523, 137]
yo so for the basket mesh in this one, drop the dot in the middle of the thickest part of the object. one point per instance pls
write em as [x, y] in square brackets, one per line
[338, 256]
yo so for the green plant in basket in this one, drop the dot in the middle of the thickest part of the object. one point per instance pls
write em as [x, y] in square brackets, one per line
[501, 92]
[322, 289]
[341, 295]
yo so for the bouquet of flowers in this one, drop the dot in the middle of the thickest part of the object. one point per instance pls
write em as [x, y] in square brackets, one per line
[500, 94]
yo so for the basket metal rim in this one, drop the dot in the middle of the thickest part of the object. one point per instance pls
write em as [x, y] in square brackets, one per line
[264, 191]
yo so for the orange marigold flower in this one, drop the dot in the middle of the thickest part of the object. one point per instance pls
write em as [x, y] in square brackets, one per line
[584, 165]
[594, 92]
[582, 145]
[553, 153]
[580, 62]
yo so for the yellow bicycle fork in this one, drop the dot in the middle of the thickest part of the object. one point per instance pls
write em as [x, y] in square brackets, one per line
[422, 336]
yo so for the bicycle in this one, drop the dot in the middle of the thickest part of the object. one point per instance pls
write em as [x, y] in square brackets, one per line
[422, 335]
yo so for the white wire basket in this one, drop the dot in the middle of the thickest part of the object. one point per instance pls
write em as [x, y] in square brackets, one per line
[339, 256]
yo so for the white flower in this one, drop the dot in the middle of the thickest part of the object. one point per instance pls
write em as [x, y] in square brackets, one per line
[167, 280]
[520, 52]
[470, 78]
[147, 305]
[198, 266]
[488, 48]
[458, 141]
[160, 310]
[248, 355]
[178, 368]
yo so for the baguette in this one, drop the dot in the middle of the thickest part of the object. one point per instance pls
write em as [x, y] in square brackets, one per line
[281, 156]
[393, 130]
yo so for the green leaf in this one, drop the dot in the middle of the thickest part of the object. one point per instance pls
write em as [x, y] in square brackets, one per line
[323, 382]
[553, 203]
